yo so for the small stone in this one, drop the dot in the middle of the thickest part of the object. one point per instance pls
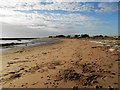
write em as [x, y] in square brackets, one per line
[113, 73]
[46, 83]
[98, 87]
[44, 53]
[95, 82]
[75, 88]
[22, 85]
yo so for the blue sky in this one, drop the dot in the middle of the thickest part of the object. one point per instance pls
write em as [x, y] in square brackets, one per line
[39, 19]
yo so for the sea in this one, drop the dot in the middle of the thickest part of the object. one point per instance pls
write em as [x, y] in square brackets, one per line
[19, 43]
[12, 41]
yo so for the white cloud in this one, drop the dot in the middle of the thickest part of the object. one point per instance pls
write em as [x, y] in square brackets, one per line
[48, 22]
[56, 5]
[107, 7]
[9, 14]
[52, 22]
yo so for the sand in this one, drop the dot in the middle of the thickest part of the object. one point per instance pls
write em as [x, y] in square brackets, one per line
[71, 63]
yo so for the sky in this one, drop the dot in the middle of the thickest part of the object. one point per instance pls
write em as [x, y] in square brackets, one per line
[41, 18]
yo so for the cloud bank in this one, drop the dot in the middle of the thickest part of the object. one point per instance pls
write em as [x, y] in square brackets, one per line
[55, 15]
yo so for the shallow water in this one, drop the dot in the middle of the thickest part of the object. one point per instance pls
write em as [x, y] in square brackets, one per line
[13, 41]
[25, 43]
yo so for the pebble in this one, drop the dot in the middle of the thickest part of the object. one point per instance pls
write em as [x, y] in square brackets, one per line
[98, 87]
[41, 77]
[75, 88]
[46, 83]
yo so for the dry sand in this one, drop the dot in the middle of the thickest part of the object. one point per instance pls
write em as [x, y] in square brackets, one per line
[67, 64]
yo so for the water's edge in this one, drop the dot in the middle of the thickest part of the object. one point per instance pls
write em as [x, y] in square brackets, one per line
[26, 43]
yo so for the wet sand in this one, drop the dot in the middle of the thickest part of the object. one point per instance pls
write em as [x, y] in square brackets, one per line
[71, 63]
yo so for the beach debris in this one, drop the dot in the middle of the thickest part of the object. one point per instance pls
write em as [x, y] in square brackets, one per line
[44, 53]
[113, 73]
[98, 86]
[93, 47]
[111, 45]
[117, 59]
[17, 75]
[51, 67]
[5, 74]
[22, 85]
[22, 68]
[86, 68]
[110, 87]
[20, 61]
[41, 70]
[90, 79]
[20, 51]
[35, 83]
[75, 88]
[46, 83]
[13, 72]
[70, 74]
[34, 68]
[94, 82]
[111, 49]
[100, 46]
[54, 63]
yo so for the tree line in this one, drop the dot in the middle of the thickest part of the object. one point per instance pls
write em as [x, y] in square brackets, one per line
[77, 36]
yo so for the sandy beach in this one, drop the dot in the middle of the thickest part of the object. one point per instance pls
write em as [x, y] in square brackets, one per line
[70, 63]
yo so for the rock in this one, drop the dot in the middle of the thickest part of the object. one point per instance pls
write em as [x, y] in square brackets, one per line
[111, 49]
[93, 47]
[12, 72]
[46, 83]
[70, 74]
[98, 87]
[110, 88]
[22, 85]
[41, 77]
[113, 73]
[22, 68]
[34, 83]
[90, 78]
[94, 82]
[15, 76]
[117, 59]
[56, 62]
[75, 88]
[51, 67]
[86, 68]
[34, 68]
[44, 53]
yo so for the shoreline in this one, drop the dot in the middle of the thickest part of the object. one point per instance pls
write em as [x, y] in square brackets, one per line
[33, 43]
[66, 64]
